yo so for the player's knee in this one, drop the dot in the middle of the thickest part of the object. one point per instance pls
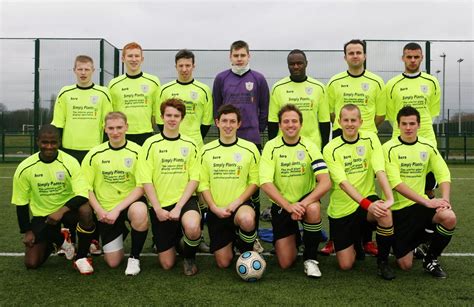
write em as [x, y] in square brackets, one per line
[285, 262]
[247, 222]
[32, 264]
[223, 262]
[193, 230]
[345, 265]
[112, 263]
[405, 265]
[167, 264]
[312, 212]
[85, 215]
[449, 219]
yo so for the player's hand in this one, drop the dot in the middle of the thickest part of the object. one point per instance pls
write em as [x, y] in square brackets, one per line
[388, 203]
[296, 210]
[378, 209]
[175, 213]
[162, 215]
[436, 203]
[29, 239]
[101, 215]
[233, 206]
[55, 217]
[111, 216]
[222, 213]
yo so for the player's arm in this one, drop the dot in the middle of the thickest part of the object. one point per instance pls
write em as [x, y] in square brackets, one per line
[324, 118]
[273, 109]
[379, 119]
[150, 192]
[263, 104]
[217, 95]
[233, 206]
[188, 192]
[94, 202]
[23, 217]
[211, 203]
[333, 117]
[322, 187]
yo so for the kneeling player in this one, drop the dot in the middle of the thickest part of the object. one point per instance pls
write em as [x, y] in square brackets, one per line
[169, 172]
[50, 185]
[408, 159]
[353, 159]
[229, 177]
[114, 195]
[295, 177]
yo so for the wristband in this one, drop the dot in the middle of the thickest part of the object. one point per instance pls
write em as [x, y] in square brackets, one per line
[365, 203]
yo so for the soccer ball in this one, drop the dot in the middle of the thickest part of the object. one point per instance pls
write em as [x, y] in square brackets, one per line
[250, 266]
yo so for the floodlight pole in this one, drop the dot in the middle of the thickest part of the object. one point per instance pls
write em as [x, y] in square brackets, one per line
[444, 87]
[459, 105]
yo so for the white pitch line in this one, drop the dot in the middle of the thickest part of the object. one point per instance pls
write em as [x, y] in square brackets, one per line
[264, 254]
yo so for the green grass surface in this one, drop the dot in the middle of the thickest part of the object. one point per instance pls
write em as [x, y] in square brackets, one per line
[56, 282]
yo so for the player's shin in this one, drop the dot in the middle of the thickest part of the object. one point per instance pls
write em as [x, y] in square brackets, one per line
[138, 240]
[384, 237]
[312, 236]
[441, 238]
[246, 240]
[84, 237]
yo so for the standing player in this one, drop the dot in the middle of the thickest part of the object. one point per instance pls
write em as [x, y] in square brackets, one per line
[353, 159]
[408, 158]
[169, 172]
[295, 177]
[419, 90]
[229, 177]
[50, 185]
[114, 195]
[80, 109]
[136, 94]
[198, 100]
[306, 93]
[364, 89]
[247, 90]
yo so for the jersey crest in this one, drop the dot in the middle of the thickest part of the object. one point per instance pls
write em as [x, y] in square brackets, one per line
[300, 155]
[360, 150]
[423, 156]
[128, 162]
[237, 157]
[424, 88]
[308, 90]
[194, 95]
[184, 151]
[94, 99]
[365, 86]
[60, 175]
[249, 86]
[145, 88]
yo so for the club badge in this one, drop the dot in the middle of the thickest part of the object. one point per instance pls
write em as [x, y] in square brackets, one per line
[360, 150]
[423, 156]
[194, 95]
[365, 86]
[308, 90]
[184, 151]
[60, 175]
[128, 162]
[94, 99]
[249, 86]
[145, 88]
[424, 88]
[300, 155]
[237, 157]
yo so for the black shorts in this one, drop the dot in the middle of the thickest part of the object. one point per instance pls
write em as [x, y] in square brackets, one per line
[222, 231]
[38, 225]
[346, 231]
[168, 233]
[336, 133]
[430, 182]
[110, 232]
[138, 138]
[78, 154]
[283, 226]
[409, 227]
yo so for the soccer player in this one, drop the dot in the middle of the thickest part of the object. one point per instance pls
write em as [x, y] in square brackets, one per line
[353, 159]
[408, 158]
[50, 185]
[229, 177]
[295, 177]
[419, 90]
[135, 93]
[80, 109]
[110, 170]
[169, 172]
[196, 96]
[306, 93]
[364, 89]
[248, 90]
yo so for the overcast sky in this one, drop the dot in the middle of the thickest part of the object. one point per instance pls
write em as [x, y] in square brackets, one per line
[289, 24]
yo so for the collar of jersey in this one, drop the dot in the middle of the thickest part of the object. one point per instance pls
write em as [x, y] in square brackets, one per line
[184, 83]
[349, 142]
[228, 145]
[85, 88]
[412, 77]
[406, 143]
[290, 145]
[170, 139]
[136, 76]
[48, 162]
[356, 76]
[241, 74]
[118, 148]
[304, 80]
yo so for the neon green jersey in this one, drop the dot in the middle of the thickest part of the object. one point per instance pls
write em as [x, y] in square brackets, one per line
[168, 163]
[365, 91]
[198, 100]
[409, 163]
[228, 169]
[421, 92]
[137, 97]
[309, 96]
[110, 172]
[47, 187]
[291, 168]
[80, 112]
[357, 162]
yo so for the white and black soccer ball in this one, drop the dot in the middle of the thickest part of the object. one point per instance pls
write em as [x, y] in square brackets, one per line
[250, 266]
